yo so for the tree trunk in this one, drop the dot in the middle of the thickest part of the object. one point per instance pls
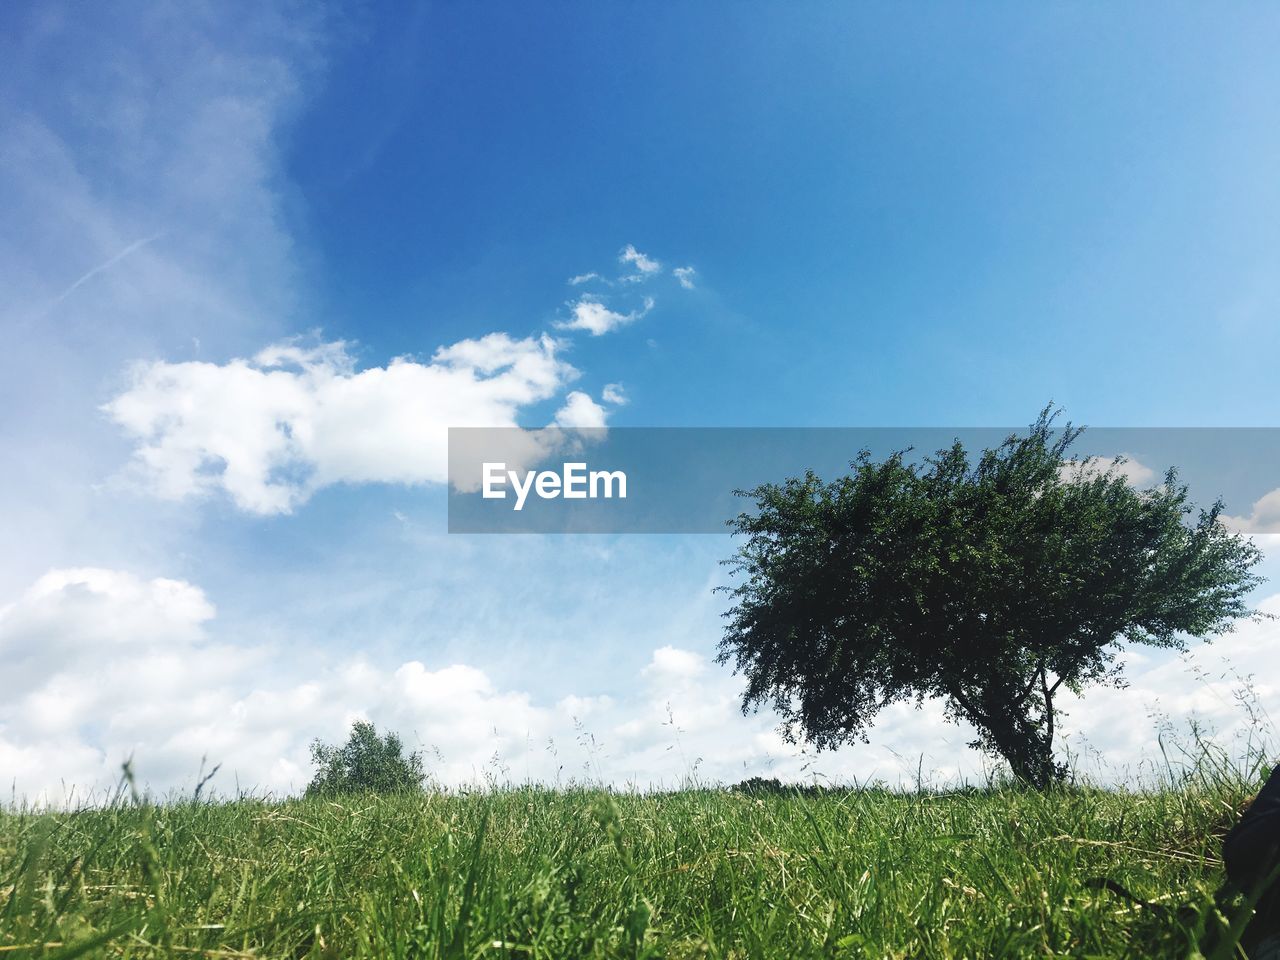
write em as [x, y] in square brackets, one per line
[1027, 747]
[1002, 718]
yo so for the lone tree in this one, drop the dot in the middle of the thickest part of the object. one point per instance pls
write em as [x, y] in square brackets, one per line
[366, 763]
[991, 585]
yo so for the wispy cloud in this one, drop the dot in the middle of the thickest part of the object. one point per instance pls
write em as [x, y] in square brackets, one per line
[144, 210]
[646, 265]
[591, 315]
[100, 268]
[686, 276]
[197, 150]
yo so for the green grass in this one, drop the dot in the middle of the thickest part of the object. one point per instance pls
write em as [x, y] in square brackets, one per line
[530, 872]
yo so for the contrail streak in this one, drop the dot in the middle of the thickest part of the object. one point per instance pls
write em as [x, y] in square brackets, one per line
[105, 265]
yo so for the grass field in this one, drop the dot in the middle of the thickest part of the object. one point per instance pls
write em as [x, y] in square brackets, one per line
[524, 872]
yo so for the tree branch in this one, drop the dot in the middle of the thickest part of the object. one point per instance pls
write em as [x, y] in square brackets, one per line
[1030, 683]
[1048, 705]
[974, 712]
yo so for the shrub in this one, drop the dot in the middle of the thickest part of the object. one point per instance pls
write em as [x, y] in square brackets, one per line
[366, 763]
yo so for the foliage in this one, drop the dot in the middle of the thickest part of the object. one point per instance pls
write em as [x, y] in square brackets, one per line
[366, 763]
[761, 785]
[990, 585]
[997, 871]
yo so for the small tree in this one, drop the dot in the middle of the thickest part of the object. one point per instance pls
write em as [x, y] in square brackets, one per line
[991, 586]
[366, 763]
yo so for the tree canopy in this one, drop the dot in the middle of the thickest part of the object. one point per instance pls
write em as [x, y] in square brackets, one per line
[366, 763]
[990, 584]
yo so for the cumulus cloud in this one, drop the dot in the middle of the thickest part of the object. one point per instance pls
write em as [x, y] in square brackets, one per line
[271, 430]
[646, 266]
[581, 412]
[134, 672]
[111, 665]
[92, 616]
[593, 316]
[1134, 473]
[102, 650]
[1264, 518]
[1113, 729]
[686, 276]
[137, 672]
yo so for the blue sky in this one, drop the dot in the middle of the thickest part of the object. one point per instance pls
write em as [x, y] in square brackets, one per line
[895, 215]
[901, 216]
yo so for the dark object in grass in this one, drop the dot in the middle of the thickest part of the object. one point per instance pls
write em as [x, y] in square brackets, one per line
[1124, 893]
[1251, 852]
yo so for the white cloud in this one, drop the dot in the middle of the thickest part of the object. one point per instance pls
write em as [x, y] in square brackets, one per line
[144, 209]
[1263, 518]
[581, 412]
[107, 264]
[91, 615]
[134, 673]
[137, 673]
[615, 394]
[1134, 473]
[1115, 725]
[107, 651]
[593, 316]
[111, 665]
[673, 667]
[646, 265]
[149, 190]
[273, 429]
